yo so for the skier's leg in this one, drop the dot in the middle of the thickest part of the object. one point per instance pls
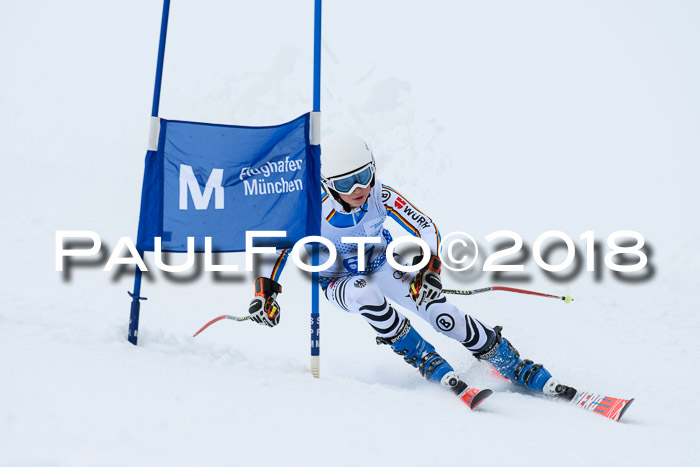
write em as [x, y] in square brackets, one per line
[484, 342]
[356, 295]
[360, 295]
[441, 314]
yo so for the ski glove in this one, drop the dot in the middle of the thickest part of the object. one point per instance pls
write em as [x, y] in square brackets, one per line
[426, 286]
[264, 308]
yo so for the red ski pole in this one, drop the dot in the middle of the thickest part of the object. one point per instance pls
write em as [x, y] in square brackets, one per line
[219, 318]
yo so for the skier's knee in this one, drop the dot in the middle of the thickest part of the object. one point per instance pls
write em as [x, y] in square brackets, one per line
[361, 293]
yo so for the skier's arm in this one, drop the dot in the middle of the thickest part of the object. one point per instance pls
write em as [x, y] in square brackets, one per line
[274, 271]
[426, 285]
[410, 218]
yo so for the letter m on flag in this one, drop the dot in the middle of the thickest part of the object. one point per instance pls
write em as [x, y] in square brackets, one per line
[188, 182]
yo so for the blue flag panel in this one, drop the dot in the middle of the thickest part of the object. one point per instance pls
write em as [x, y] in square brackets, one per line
[220, 181]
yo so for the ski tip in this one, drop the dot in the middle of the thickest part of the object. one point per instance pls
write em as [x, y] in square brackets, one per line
[480, 397]
[468, 395]
[624, 409]
[473, 397]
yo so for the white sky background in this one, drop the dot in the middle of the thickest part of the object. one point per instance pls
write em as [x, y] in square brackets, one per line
[595, 102]
[525, 116]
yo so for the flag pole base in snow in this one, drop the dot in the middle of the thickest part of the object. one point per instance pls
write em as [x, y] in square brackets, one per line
[134, 318]
[315, 366]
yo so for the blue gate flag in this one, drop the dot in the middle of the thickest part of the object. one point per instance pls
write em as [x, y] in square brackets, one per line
[219, 181]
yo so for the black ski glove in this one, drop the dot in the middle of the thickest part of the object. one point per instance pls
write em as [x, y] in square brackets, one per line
[426, 285]
[264, 308]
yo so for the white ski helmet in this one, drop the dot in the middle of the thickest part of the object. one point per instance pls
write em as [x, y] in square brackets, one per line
[346, 163]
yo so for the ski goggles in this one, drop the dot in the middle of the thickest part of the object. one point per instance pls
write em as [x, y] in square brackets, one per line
[361, 178]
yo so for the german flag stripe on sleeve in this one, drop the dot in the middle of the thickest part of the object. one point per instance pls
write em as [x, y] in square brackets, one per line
[279, 265]
[404, 223]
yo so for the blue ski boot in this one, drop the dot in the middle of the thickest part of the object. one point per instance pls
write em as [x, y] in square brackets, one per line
[417, 352]
[420, 354]
[505, 358]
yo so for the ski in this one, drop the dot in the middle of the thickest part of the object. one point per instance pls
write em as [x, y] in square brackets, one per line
[473, 396]
[467, 394]
[610, 407]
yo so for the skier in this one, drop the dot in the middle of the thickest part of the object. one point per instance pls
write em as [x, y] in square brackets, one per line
[356, 204]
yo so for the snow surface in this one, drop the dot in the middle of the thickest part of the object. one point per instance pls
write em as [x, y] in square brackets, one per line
[524, 116]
